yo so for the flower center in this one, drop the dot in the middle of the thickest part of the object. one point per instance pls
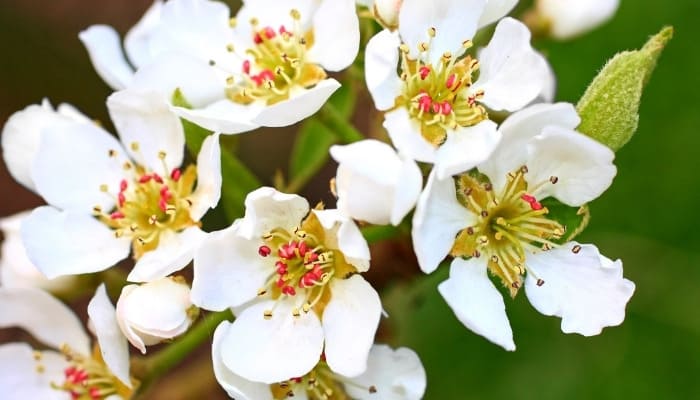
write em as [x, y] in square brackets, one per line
[149, 203]
[275, 65]
[440, 96]
[303, 266]
[509, 225]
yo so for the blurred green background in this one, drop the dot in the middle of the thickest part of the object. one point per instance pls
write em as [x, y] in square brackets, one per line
[647, 218]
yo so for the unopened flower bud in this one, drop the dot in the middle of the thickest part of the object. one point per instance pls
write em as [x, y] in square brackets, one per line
[567, 19]
[387, 12]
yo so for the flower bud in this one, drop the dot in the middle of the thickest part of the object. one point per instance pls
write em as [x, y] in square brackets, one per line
[567, 19]
[387, 12]
[155, 311]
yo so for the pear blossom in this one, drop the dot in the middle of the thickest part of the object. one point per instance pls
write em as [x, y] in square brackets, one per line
[435, 106]
[155, 311]
[16, 270]
[264, 67]
[293, 274]
[374, 183]
[390, 375]
[501, 226]
[107, 198]
[565, 19]
[68, 369]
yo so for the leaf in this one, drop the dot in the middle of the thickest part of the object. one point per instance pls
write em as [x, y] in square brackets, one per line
[609, 109]
[575, 219]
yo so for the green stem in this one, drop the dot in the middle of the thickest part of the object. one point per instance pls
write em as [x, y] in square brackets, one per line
[149, 369]
[333, 120]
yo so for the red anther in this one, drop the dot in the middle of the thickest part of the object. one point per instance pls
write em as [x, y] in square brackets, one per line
[145, 178]
[303, 249]
[264, 251]
[117, 215]
[269, 32]
[424, 103]
[311, 257]
[286, 251]
[446, 108]
[165, 193]
[246, 67]
[306, 280]
[69, 371]
[122, 199]
[281, 267]
[157, 178]
[74, 395]
[323, 356]
[175, 174]
[123, 185]
[528, 199]
[536, 205]
[283, 30]
[95, 393]
[450, 80]
[163, 204]
[424, 71]
[257, 79]
[79, 376]
[267, 75]
[317, 271]
[297, 380]
[436, 108]
[257, 38]
[281, 283]
[289, 291]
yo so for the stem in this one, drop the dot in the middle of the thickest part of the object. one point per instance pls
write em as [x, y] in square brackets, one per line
[149, 369]
[333, 120]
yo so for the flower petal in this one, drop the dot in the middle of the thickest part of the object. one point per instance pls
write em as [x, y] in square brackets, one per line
[137, 40]
[495, 10]
[105, 50]
[235, 386]
[405, 134]
[454, 20]
[583, 166]
[465, 148]
[65, 243]
[438, 219]
[512, 73]
[266, 209]
[343, 234]
[585, 289]
[573, 18]
[476, 302]
[336, 35]
[113, 346]
[174, 252]
[208, 191]
[350, 321]
[518, 130]
[275, 349]
[222, 116]
[20, 378]
[299, 106]
[381, 60]
[395, 374]
[228, 271]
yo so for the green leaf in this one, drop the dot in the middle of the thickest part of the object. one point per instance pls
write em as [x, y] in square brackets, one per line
[237, 179]
[575, 219]
[609, 109]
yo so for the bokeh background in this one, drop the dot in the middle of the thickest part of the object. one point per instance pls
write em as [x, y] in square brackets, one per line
[649, 218]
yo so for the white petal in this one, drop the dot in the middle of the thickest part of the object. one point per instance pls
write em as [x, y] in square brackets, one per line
[518, 130]
[583, 166]
[21, 136]
[144, 117]
[572, 18]
[405, 134]
[174, 252]
[266, 209]
[343, 234]
[476, 302]
[228, 271]
[299, 106]
[406, 196]
[454, 20]
[104, 48]
[235, 386]
[272, 13]
[71, 164]
[465, 148]
[549, 88]
[272, 350]
[208, 191]
[336, 35]
[113, 346]
[20, 379]
[350, 321]
[438, 219]
[44, 317]
[495, 10]
[222, 116]
[512, 73]
[381, 61]
[396, 374]
[586, 289]
[64, 243]
[137, 40]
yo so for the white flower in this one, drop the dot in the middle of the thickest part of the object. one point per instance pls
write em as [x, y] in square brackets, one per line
[390, 375]
[105, 198]
[501, 226]
[300, 270]
[15, 268]
[435, 109]
[266, 67]
[153, 312]
[72, 373]
[374, 183]
[570, 18]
